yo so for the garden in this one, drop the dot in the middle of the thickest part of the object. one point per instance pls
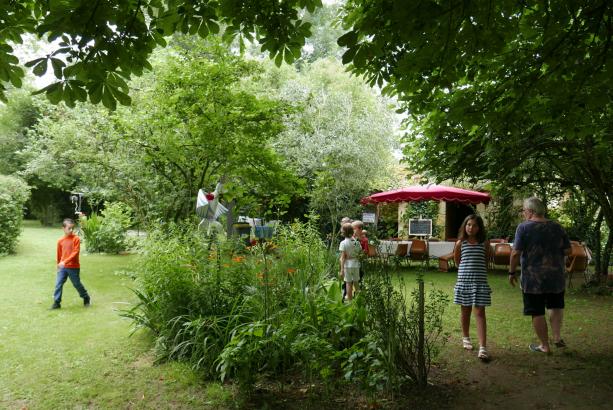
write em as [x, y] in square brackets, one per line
[208, 152]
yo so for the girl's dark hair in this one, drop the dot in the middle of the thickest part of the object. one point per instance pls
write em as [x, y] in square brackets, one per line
[480, 235]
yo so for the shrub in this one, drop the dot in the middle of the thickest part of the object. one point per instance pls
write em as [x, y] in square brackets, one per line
[13, 194]
[272, 311]
[107, 232]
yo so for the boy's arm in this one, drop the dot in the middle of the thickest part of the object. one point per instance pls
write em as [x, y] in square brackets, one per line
[342, 261]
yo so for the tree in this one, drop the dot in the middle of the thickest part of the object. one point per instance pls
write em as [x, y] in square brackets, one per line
[101, 44]
[341, 142]
[508, 91]
[191, 124]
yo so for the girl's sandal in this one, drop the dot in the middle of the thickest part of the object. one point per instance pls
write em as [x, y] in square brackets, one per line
[483, 355]
[466, 344]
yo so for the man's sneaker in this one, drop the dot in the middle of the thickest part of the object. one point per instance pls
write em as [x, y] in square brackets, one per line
[55, 306]
[86, 302]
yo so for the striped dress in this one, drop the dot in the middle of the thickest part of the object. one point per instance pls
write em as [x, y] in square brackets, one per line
[472, 288]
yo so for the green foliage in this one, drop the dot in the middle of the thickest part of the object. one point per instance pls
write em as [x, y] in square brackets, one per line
[504, 91]
[14, 192]
[107, 232]
[99, 48]
[394, 328]
[191, 123]
[340, 142]
[270, 313]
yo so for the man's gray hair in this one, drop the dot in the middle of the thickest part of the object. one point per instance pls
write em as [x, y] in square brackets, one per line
[535, 205]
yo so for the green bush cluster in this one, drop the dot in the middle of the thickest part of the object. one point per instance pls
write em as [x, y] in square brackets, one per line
[107, 232]
[13, 194]
[273, 311]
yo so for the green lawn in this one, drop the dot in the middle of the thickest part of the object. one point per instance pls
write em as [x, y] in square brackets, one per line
[77, 357]
[84, 358]
[580, 376]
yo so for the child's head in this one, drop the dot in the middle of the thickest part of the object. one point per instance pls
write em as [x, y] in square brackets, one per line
[358, 226]
[345, 220]
[347, 230]
[68, 225]
[472, 227]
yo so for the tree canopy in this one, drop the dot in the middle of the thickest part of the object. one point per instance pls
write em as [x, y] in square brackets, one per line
[99, 45]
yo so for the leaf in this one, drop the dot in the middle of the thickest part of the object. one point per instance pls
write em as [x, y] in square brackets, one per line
[279, 59]
[54, 93]
[95, 93]
[34, 62]
[41, 68]
[108, 100]
[348, 39]
[57, 65]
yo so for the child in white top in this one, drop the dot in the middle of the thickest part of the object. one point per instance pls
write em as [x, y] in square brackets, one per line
[350, 264]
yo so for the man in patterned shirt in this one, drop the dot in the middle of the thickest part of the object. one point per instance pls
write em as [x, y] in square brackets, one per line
[542, 246]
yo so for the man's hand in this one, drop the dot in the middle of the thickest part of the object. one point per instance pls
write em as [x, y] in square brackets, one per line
[60, 265]
[512, 280]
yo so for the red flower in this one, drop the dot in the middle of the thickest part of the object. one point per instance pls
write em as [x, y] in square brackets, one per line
[210, 196]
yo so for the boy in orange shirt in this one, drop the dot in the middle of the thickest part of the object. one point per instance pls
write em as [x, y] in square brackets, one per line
[68, 247]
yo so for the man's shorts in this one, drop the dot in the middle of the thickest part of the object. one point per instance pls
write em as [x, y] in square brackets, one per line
[535, 304]
[352, 274]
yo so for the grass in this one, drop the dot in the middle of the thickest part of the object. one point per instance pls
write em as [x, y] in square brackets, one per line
[579, 376]
[84, 358]
[77, 357]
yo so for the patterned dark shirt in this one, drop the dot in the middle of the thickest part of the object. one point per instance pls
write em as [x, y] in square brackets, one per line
[542, 246]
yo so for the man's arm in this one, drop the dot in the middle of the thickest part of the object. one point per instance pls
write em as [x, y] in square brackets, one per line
[515, 255]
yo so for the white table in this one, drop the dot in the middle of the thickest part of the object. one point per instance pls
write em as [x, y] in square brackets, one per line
[436, 249]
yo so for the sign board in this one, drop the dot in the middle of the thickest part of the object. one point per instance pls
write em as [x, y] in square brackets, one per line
[368, 218]
[420, 227]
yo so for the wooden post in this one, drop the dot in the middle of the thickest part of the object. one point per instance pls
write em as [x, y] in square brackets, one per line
[422, 373]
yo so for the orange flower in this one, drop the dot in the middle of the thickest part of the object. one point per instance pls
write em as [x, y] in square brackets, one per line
[238, 259]
[291, 270]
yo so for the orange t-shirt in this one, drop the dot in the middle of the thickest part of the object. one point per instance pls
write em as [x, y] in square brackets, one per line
[68, 248]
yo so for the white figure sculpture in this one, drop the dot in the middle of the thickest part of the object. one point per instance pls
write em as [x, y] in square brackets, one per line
[209, 209]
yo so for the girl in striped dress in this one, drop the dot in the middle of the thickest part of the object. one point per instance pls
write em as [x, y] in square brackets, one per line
[472, 292]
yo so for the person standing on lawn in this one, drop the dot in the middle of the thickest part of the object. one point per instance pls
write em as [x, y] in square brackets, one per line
[67, 259]
[541, 245]
[358, 234]
[349, 260]
[472, 291]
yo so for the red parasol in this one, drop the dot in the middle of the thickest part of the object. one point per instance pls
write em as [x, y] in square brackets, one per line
[429, 193]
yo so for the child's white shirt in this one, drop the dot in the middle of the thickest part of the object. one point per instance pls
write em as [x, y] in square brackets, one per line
[352, 249]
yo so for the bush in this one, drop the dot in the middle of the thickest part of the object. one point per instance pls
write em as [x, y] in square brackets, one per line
[13, 194]
[271, 311]
[107, 232]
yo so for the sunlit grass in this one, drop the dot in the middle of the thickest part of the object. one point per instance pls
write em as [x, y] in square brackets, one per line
[77, 357]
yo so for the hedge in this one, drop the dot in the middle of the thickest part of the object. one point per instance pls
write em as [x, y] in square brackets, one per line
[14, 192]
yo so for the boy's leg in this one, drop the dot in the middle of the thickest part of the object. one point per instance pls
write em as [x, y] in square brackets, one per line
[74, 275]
[60, 279]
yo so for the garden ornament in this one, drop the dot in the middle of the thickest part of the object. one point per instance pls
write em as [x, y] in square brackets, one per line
[209, 209]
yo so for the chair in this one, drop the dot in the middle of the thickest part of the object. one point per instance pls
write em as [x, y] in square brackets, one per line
[401, 252]
[372, 251]
[501, 254]
[445, 262]
[419, 251]
[577, 261]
